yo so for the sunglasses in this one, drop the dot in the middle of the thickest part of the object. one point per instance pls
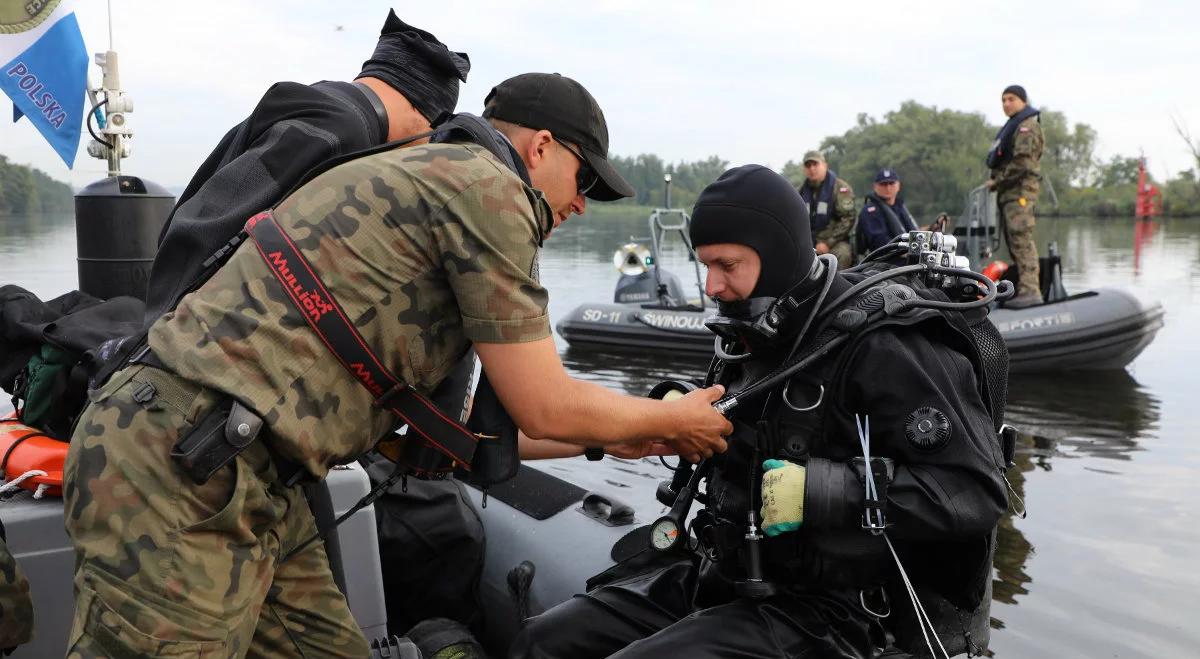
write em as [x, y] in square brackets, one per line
[586, 178]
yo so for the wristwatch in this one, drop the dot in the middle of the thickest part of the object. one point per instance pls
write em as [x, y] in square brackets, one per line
[594, 454]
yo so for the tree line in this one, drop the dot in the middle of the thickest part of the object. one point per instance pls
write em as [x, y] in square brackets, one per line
[26, 191]
[939, 156]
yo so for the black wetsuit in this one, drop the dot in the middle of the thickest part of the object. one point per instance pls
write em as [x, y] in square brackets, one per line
[294, 128]
[942, 507]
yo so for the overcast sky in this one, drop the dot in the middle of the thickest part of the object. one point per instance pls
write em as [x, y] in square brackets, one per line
[749, 81]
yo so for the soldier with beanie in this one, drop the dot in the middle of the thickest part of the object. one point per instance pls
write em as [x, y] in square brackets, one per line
[1015, 160]
[791, 467]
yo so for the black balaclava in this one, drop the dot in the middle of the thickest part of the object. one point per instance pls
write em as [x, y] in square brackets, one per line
[414, 63]
[753, 206]
[1016, 90]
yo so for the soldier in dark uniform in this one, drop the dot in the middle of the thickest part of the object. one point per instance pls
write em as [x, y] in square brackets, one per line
[915, 381]
[409, 82]
[830, 203]
[884, 215]
[1015, 160]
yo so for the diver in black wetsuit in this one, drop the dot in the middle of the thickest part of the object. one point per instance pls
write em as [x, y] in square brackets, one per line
[910, 379]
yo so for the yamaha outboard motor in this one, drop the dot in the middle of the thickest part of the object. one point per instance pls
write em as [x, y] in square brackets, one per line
[117, 219]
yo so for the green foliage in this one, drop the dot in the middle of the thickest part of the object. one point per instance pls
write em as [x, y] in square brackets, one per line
[1104, 201]
[1119, 170]
[1068, 159]
[24, 190]
[645, 173]
[937, 153]
[1181, 195]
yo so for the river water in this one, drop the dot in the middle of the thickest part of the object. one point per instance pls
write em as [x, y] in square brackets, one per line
[1104, 565]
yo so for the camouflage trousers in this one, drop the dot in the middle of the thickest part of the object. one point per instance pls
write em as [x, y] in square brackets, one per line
[167, 568]
[1018, 225]
[843, 253]
[16, 609]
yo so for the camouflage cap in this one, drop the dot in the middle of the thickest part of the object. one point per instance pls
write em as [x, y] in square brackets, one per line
[814, 156]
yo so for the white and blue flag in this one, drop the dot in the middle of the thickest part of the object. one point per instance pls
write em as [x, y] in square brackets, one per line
[43, 69]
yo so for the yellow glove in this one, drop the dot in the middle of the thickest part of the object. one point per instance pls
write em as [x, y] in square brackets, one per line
[782, 497]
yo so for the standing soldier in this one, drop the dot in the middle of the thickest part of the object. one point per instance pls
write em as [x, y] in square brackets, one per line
[830, 208]
[346, 304]
[1015, 161]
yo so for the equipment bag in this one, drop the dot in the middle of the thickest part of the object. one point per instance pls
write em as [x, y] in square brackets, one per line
[50, 391]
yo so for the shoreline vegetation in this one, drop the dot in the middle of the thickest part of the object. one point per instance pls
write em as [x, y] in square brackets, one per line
[938, 154]
[25, 190]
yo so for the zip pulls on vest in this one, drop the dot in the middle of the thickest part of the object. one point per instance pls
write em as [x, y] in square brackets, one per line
[877, 526]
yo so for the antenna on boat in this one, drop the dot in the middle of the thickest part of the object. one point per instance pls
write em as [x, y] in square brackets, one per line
[117, 219]
[112, 142]
[667, 191]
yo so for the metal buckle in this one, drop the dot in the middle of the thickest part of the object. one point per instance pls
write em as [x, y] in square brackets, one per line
[787, 401]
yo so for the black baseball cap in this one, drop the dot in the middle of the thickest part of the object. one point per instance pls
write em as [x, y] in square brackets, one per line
[553, 102]
[886, 175]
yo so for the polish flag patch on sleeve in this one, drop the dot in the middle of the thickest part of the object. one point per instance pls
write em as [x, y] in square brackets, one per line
[1022, 129]
[843, 189]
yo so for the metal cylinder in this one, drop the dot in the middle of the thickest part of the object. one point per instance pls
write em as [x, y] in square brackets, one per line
[117, 223]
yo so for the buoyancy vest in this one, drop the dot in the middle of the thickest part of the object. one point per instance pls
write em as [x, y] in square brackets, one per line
[1002, 148]
[821, 202]
[896, 218]
[853, 558]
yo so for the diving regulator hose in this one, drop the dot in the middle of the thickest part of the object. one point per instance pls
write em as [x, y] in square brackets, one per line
[991, 293]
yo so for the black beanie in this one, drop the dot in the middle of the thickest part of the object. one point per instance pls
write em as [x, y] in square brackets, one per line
[753, 206]
[414, 63]
[1016, 90]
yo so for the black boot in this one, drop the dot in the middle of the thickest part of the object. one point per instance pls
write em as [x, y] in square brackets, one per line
[1024, 300]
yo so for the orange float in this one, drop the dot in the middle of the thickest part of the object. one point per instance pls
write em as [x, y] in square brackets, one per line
[995, 270]
[26, 451]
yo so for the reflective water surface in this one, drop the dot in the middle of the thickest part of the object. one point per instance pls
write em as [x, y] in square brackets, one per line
[1104, 565]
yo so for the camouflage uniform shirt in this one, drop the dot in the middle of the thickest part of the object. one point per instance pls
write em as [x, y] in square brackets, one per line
[427, 249]
[1021, 175]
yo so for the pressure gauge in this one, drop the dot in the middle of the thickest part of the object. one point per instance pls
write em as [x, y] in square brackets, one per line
[665, 533]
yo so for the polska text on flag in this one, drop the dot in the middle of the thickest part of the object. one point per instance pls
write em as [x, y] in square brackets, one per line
[43, 69]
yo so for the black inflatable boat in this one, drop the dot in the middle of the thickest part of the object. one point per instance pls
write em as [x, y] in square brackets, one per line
[1101, 329]
[650, 308]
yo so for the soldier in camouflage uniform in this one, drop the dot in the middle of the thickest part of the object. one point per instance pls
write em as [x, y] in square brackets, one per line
[830, 208]
[16, 609]
[428, 250]
[1015, 161]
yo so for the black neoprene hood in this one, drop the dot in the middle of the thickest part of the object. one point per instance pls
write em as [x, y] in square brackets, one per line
[753, 206]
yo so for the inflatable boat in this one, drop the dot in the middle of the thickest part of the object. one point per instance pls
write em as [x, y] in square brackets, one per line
[650, 309]
[1101, 329]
